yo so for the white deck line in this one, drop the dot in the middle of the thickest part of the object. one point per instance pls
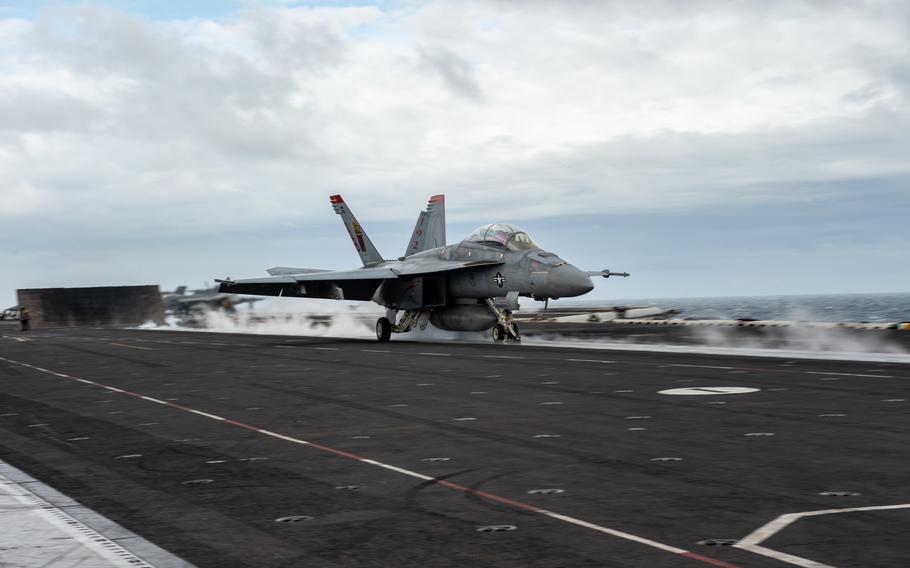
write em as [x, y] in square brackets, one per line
[40, 527]
[753, 541]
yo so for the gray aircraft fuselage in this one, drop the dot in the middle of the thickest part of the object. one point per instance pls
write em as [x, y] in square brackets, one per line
[531, 273]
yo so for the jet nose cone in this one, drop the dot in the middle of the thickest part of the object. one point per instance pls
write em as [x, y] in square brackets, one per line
[567, 281]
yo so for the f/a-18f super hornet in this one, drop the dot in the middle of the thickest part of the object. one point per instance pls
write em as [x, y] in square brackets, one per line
[473, 285]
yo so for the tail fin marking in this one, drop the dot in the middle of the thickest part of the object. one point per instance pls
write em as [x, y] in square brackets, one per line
[368, 253]
[430, 230]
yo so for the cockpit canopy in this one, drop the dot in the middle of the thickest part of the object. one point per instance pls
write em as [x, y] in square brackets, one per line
[510, 236]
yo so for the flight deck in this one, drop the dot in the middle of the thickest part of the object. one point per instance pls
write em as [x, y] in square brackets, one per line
[254, 451]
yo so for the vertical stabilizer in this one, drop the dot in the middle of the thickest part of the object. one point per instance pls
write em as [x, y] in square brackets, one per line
[366, 250]
[418, 237]
[430, 230]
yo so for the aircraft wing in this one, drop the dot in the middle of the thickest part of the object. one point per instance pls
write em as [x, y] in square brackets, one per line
[357, 284]
[378, 273]
[282, 270]
[433, 266]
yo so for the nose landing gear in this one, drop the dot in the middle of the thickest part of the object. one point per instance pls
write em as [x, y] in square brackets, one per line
[505, 330]
[501, 333]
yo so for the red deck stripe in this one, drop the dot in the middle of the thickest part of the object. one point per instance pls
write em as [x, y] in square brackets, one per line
[490, 496]
[709, 560]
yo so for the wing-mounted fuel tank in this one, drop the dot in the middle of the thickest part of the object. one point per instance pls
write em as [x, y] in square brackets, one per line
[463, 317]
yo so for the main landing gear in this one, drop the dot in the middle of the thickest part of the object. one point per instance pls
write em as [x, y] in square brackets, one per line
[411, 319]
[383, 330]
[505, 330]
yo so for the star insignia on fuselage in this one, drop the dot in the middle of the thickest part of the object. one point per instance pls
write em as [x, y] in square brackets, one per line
[499, 279]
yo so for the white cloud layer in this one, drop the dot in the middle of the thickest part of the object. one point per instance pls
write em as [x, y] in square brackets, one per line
[113, 122]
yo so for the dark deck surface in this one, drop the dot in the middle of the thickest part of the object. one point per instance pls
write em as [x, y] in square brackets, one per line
[837, 426]
[795, 338]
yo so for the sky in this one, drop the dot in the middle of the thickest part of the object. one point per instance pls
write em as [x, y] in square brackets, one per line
[710, 148]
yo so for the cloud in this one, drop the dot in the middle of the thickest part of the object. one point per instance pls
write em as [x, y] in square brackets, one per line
[455, 72]
[113, 123]
[22, 200]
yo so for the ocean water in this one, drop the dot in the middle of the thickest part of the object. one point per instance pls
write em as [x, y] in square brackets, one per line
[873, 308]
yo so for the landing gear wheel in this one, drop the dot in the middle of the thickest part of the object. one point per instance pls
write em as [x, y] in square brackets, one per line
[517, 337]
[499, 333]
[383, 330]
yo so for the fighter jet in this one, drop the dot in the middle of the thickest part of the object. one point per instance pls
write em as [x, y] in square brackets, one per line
[181, 302]
[10, 313]
[473, 285]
